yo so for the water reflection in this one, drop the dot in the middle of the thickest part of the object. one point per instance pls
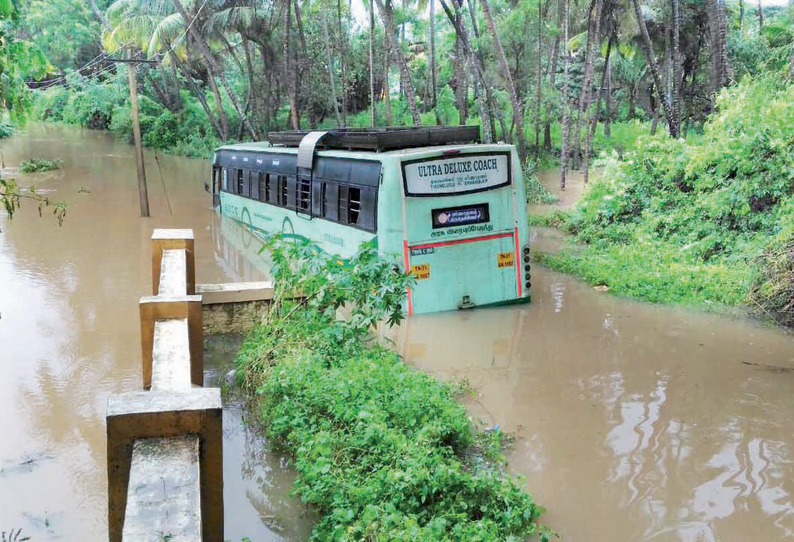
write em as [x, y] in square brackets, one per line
[634, 422]
[69, 329]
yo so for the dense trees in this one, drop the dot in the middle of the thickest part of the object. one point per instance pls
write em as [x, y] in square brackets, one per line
[251, 66]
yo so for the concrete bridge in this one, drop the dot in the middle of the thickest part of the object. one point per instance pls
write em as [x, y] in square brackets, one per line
[165, 441]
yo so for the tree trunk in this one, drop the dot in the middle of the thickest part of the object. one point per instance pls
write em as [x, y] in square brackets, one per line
[608, 105]
[292, 90]
[100, 16]
[199, 95]
[303, 62]
[490, 101]
[657, 79]
[597, 109]
[331, 77]
[371, 65]
[404, 73]
[555, 48]
[718, 48]
[343, 58]
[219, 105]
[518, 115]
[479, 79]
[677, 63]
[741, 18]
[459, 62]
[593, 40]
[386, 88]
[760, 17]
[538, 92]
[213, 63]
[565, 63]
[433, 79]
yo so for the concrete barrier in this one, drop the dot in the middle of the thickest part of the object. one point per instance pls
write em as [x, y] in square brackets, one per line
[234, 307]
[164, 446]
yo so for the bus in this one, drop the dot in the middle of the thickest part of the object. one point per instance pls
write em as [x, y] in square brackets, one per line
[437, 202]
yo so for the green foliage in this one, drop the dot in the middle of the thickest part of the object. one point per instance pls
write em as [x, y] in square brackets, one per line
[6, 130]
[536, 192]
[12, 196]
[687, 221]
[382, 451]
[37, 165]
[105, 105]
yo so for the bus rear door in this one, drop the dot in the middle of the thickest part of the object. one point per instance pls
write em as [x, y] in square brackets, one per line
[461, 235]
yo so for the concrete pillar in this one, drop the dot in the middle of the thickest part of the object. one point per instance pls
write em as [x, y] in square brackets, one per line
[173, 239]
[165, 415]
[162, 308]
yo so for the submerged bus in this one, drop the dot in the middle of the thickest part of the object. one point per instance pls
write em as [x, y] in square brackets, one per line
[438, 203]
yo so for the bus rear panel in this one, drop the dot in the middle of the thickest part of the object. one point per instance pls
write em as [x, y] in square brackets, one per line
[465, 232]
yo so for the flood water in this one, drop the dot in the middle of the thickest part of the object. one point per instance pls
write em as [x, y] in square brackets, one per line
[633, 422]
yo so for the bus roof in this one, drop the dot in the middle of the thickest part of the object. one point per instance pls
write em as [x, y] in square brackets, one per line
[265, 146]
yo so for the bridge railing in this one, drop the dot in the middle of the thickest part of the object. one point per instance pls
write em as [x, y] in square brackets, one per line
[164, 444]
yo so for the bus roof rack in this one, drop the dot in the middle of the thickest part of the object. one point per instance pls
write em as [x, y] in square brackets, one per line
[383, 139]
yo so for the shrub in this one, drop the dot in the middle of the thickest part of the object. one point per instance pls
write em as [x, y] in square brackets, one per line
[36, 165]
[382, 451]
[710, 212]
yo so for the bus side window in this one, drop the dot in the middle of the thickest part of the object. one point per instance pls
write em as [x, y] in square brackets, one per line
[330, 201]
[260, 182]
[271, 189]
[225, 177]
[239, 182]
[291, 192]
[354, 205]
[253, 185]
[343, 204]
[368, 206]
[282, 191]
[318, 189]
[304, 193]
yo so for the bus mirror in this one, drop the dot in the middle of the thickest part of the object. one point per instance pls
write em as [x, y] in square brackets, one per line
[207, 187]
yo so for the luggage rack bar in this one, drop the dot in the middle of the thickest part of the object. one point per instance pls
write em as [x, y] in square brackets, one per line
[383, 139]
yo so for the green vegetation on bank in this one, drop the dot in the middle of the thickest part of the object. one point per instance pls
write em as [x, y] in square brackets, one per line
[382, 451]
[37, 165]
[708, 221]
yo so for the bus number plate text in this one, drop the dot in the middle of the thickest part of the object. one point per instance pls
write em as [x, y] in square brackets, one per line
[505, 259]
[421, 271]
[422, 251]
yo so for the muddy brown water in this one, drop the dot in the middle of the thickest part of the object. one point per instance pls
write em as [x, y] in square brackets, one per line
[633, 422]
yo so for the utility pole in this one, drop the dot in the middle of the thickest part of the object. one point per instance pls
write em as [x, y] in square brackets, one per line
[143, 192]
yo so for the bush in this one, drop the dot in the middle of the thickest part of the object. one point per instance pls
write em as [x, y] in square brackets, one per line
[37, 165]
[708, 212]
[382, 451]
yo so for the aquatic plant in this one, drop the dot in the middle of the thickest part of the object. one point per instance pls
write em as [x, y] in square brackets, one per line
[382, 451]
[37, 165]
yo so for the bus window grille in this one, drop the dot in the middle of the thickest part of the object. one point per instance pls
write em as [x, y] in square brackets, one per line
[325, 200]
[304, 195]
[354, 207]
[262, 187]
[283, 184]
[239, 182]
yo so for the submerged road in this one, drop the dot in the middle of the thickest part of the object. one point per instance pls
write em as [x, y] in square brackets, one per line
[633, 422]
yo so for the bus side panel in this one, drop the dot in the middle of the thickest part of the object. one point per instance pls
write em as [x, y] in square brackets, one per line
[265, 219]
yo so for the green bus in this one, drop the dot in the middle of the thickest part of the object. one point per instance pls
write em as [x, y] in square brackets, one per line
[440, 204]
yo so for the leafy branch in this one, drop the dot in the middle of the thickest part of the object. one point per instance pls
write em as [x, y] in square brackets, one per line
[12, 196]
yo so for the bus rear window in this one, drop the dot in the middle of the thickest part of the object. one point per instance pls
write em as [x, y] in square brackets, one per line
[458, 174]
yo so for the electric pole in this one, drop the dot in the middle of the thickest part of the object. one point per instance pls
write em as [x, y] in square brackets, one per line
[143, 192]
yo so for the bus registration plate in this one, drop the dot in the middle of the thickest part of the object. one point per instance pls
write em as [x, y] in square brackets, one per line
[421, 271]
[505, 259]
